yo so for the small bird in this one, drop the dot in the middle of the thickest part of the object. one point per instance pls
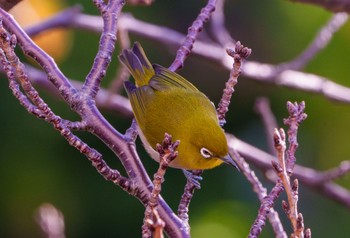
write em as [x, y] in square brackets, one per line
[164, 102]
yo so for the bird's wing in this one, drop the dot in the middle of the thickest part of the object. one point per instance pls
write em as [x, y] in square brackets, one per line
[139, 97]
[165, 79]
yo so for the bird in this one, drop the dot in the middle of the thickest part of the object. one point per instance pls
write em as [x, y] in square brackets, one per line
[164, 102]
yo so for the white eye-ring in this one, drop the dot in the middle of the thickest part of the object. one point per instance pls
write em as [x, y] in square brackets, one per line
[206, 153]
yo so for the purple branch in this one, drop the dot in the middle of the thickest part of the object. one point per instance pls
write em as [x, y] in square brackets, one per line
[260, 72]
[104, 99]
[297, 116]
[285, 166]
[167, 153]
[186, 198]
[126, 151]
[192, 35]
[334, 173]
[239, 55]
[261, 192]
[32, 100]
[110, 14]
[309, 177]
[123, 145]
[138, 183]
[47, 63]
[321, 40]
[264, 210]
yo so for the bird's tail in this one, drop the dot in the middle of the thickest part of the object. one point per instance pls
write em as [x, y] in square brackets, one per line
[138, 64]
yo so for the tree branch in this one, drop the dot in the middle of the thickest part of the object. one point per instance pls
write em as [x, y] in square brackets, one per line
[110, 14]
[257, 71]
[47, 63]
[320, 41]
[137, 181]
[167, 153]
[97, 125]
[265, 200]
[193, 32]
[307, 176]
[266, 206]
[239, 55]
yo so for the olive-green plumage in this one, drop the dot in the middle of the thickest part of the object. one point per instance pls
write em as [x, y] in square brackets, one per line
[164, 102]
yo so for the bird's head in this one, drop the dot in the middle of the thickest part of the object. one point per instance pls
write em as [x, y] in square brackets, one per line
[208, 146]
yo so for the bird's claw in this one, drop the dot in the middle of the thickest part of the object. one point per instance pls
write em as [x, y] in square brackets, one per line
[193, 178]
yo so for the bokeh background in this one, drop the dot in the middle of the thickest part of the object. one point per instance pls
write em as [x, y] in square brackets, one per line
[38, 166]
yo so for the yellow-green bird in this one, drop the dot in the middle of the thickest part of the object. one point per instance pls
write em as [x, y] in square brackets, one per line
[164, 102]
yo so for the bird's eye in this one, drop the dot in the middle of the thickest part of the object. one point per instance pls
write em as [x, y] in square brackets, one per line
[206, 153]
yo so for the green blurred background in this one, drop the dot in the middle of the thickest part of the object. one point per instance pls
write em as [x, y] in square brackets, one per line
[38, 166]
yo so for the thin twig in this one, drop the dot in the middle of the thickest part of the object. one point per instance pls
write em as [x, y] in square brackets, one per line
[264, 210]
[131, 133]
[281, 170]
[321, 40]
[157, 225]
[193, 32]
[186, 198]
[239, 54]
[108, 38]
[334, 173]
[285, 166]
[167, 153]
[123, 73]
[309, 177]
[297, 116]
[261, 192]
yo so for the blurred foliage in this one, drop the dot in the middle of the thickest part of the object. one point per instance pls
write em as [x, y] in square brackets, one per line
[38, 165]
[55, 42]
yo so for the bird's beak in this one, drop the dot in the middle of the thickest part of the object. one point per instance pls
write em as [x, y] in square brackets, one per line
[228, 160]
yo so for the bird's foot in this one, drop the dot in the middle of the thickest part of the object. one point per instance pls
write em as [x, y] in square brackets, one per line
[194, 177]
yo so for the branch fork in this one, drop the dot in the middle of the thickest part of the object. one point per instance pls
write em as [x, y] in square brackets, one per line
[285, 165]
[167, 153]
